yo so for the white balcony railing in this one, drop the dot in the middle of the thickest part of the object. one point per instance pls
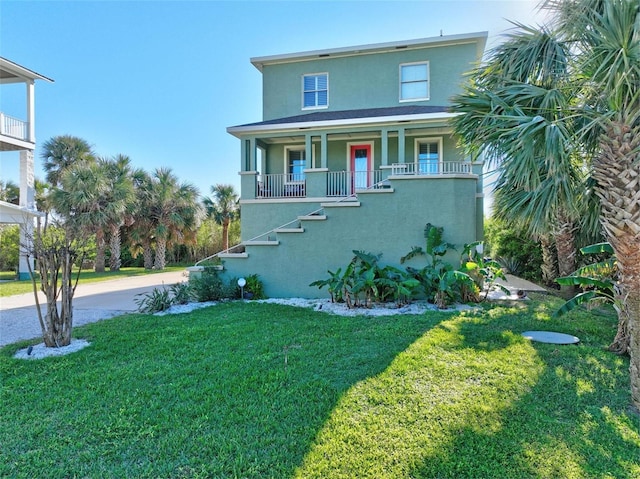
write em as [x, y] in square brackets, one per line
[280, 186]
[345, 183]
[13, 127]
[431, 168]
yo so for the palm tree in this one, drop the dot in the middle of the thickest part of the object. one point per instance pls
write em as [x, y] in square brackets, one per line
[43, 203]
[61, 152]
[601, 117]
[95, 197]
[223, 208]
[173, 211]
[79, 200]
[122, 202]
[140, 232]
[519, 94]
[9, 192]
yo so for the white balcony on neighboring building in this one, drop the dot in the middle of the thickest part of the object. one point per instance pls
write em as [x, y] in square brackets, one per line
[18, 134]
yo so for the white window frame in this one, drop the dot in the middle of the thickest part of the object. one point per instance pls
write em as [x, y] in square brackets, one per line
[429, 139]
[289, 148]
[314, 107]
[428, 82]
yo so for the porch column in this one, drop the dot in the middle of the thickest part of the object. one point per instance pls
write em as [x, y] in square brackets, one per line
[323, 150]
[401, 145]
[248, 154]
[31, 111]
[244, 166]
[252, 154]
[27, 200]
[27, 180]
[384, 146]
[308, 146]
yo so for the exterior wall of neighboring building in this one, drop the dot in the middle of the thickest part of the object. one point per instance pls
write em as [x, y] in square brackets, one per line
[367, 81]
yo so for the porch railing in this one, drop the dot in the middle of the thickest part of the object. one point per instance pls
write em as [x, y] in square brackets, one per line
[345, 183]
[280, 186]
[13, 127]
[431, 168]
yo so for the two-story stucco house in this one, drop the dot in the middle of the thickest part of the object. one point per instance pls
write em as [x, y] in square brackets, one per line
[18, 134]
[354, 152]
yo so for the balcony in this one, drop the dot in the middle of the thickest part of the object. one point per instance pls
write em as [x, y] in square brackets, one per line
[14, 132]
[432, 168]
[323, 183]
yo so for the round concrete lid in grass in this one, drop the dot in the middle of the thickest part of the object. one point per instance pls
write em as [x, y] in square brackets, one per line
[550, 337]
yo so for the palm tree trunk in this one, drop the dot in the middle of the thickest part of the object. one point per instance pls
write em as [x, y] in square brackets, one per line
[566, 249]
[549, 261]
[101, 245]
[617, 172]
[114, 245]
[225, 234]
[147, 254]
[161, 250]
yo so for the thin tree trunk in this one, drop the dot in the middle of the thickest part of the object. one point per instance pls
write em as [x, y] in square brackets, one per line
[115, 260]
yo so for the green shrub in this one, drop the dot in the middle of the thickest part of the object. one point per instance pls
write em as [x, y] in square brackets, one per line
[9, 247]
[515, 250]
[181, 293]
[254, 287]
[210, 287]
[157, 300]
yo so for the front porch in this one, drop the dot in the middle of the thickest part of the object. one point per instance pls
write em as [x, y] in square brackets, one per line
[323, 183]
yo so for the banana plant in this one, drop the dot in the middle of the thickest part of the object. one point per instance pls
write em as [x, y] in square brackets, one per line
[484, 273]
[598, 281]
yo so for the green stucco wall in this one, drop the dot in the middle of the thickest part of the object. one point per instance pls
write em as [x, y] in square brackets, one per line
[389, 223]
[365, 81]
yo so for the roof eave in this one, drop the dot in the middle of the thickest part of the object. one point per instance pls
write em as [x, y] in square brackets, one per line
[239, 131]
[21, 73]
[480, 37]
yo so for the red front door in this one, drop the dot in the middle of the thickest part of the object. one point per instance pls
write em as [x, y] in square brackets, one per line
[361, 166]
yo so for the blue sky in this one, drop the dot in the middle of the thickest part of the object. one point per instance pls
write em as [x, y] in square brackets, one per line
[160, 81]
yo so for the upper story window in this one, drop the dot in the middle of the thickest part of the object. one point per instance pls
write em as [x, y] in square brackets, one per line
[414, 81]
[315, 91]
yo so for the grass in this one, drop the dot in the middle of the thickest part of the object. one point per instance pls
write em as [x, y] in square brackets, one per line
[20, 287]
[249, 390]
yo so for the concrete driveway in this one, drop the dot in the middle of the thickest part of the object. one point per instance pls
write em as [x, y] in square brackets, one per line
[91, 302]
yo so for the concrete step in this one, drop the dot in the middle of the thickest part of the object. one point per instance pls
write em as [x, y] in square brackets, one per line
[341, 204]
[312, 218]
[261, 243]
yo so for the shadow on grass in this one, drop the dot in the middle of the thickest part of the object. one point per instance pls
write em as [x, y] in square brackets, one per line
[472, 398]
[572, 422]
[237, 390]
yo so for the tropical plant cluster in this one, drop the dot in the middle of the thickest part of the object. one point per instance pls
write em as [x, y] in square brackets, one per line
[208, 286]
[365, 281]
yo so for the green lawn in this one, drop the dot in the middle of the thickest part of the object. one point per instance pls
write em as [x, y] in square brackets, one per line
[19, 287]
[248, 390]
